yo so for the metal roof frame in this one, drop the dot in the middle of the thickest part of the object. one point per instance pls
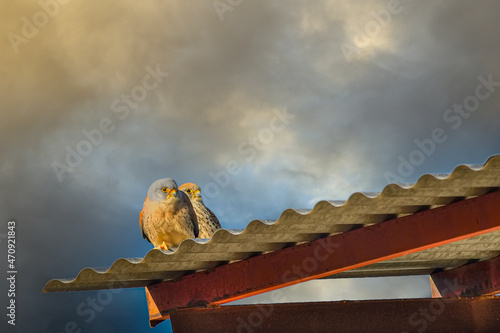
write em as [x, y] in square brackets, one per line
[326, 256]
[480, 278]
[457, 315]
[437, 224]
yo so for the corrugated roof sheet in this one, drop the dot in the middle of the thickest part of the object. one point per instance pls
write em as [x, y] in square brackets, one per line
[326, 218]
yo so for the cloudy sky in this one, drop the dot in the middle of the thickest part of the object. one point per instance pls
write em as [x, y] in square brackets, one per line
[267, 105]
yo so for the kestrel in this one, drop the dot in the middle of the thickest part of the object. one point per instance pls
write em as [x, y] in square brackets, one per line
[167, 217]
[207, 221]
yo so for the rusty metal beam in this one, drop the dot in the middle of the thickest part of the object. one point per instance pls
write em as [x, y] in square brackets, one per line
[323, 257]
[480, 278]
[411, 315]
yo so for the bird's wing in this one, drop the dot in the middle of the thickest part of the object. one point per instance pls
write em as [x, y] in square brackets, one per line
[141, 220]
[192, 213]
[214, 218]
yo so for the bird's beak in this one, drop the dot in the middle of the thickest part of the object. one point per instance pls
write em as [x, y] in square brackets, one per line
[173, 192]
[197, 193]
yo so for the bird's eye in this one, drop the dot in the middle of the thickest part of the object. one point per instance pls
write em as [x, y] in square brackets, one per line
[188, 190]
[164, 189]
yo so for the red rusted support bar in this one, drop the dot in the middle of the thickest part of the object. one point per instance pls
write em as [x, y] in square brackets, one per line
[480, 278]
[451, 315]
[323, 257]
[434, 290]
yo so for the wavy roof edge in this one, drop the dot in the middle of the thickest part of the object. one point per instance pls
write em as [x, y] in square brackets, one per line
[391, 190]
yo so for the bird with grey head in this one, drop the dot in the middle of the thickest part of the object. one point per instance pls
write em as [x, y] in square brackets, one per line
[167, 217]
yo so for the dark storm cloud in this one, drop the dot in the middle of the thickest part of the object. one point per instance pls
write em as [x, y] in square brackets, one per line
[351, 118]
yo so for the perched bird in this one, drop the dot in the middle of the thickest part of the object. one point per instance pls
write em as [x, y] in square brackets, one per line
[207, 221]
[167, 217]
